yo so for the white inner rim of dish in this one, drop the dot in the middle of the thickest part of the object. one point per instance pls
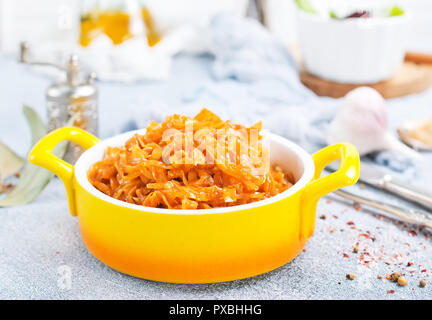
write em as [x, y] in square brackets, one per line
[284, 153]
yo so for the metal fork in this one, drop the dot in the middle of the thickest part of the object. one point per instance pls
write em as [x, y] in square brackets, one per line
[416, 217]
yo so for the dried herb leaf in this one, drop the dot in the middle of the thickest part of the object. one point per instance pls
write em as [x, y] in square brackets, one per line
[33, 178]
[37, 127]
[10, 162]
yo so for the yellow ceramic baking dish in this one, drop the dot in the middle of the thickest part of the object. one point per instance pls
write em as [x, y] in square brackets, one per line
[204, 245]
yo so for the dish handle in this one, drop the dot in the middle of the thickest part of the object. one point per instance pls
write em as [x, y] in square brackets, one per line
[41, 155]
[346, 175]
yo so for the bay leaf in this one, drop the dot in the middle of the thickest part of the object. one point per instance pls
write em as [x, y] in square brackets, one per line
[33, 178]
[10, 162]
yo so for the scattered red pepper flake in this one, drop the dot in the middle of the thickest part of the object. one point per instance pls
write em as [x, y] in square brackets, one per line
[424, 270]
[412, 233]
[350, 223]
[345, 255]
[390, 291]
[357, 207]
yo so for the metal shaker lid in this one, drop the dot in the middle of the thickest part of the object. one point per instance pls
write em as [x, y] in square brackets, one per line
[61, 90]
[74, 86]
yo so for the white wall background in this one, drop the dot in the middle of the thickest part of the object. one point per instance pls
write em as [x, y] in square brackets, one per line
[41, 20]
[56, 20]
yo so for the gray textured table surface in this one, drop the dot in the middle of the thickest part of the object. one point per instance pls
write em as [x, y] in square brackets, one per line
[41, 240]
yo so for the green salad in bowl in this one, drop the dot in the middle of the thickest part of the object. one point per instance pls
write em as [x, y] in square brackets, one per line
[347, 43]
[347, 13]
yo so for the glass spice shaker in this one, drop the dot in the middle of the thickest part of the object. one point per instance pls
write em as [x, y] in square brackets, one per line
[71, 102]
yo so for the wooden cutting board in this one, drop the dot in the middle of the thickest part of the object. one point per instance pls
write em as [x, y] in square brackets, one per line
[414, 76]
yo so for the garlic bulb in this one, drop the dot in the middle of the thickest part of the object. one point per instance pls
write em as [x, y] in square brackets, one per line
[362, 121]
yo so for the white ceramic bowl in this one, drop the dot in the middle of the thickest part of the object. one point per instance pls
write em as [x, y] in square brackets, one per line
[284, 153]
[356, 50]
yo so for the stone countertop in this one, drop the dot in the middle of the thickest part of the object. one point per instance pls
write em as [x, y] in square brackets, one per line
[39, 241]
